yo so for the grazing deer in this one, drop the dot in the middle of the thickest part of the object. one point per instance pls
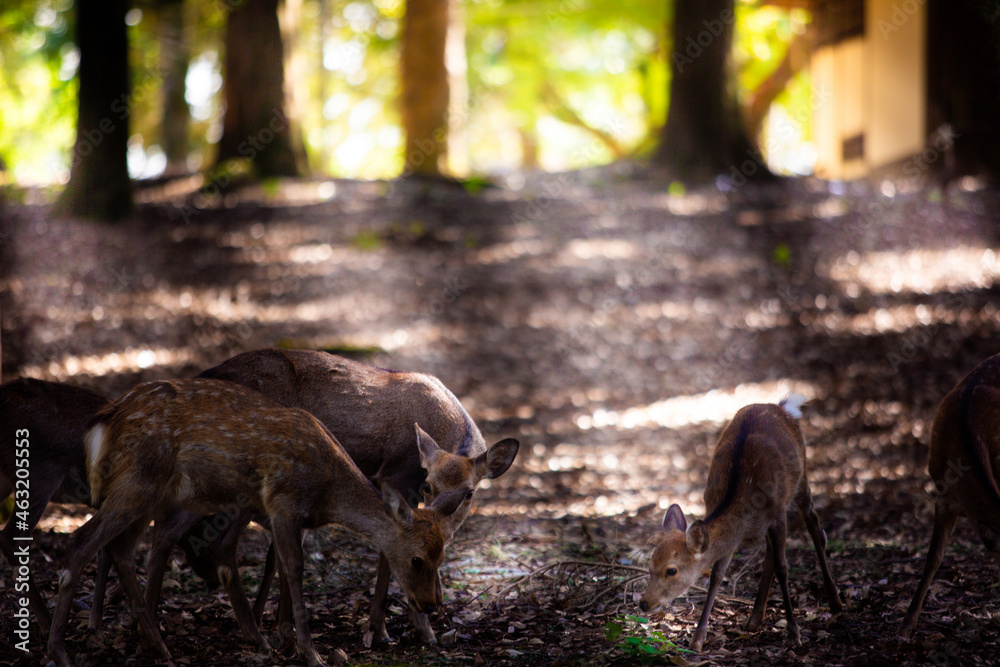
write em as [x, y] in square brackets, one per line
[52, 417]
[757, 471]
[202, 446]
[964, 463]
[372, 413]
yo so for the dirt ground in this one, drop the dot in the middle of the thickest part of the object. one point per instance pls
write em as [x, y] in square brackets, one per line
[610, 327]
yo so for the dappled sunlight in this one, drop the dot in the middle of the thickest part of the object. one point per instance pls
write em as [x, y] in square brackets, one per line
[924, 270]
[684, 204]
[898, 319]
[129, 360]
[715, 406]
[505, 252]
[579, 251]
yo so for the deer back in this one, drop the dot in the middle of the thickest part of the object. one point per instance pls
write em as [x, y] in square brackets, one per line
[201, 445]
[756, 468]
[371, 411]
[56, 416]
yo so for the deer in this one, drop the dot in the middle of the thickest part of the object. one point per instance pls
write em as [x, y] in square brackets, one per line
[201, 446]
[405, 428]
[758, 470]
[964, 464]
[52, 417]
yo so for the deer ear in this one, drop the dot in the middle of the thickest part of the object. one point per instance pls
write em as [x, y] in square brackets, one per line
[697, 537]
[674, 519]
[426, 446]
[448, 502]
[395, 505]
[496, 460]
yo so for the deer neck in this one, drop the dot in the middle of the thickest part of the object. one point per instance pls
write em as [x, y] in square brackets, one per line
[359, 508]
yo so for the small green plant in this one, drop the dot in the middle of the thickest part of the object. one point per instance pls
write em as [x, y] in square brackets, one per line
[367, 240]
[638, 640]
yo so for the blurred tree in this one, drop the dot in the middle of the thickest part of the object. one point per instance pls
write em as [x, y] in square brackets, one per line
[424, 100]
[255, 125]
[174, 57]
[704, 135]
[296, 96]
[99, 185]
[963, 81]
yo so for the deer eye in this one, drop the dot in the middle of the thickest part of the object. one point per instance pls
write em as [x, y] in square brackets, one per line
[425, 487]
[468, 496]
[416, 562]
[671, 571]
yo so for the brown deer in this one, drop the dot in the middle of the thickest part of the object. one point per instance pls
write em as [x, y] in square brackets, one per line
[372, 412]
[52, 417]
[964, 463]
[757, 471]
[202, 446]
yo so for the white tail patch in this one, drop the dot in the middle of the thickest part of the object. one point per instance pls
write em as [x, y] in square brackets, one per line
[94, 443]
[792, 404]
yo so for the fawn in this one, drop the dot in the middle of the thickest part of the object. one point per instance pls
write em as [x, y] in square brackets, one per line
[964, 462]
[757, 471]
[202, 445]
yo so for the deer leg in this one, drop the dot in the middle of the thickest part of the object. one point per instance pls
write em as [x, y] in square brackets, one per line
[287, 541]
[804, 500]
[122, 550]
[229, 574]
[96, 621]
[46, 479]
[86, 541]
[766, 577]
[776, 535]
[945, 517]
[265, 585]
[379, 601]
[718, 572]
[170, 526]
[285, 623]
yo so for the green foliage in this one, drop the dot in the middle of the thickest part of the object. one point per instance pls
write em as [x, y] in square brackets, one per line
[37, 89]
[639, 641]
[367, 240]
[570, 83]
[782, 255]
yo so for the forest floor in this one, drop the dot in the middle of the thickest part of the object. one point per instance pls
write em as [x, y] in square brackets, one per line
[612, 328]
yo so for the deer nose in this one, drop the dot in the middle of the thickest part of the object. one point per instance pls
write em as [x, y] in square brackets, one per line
[643, 605]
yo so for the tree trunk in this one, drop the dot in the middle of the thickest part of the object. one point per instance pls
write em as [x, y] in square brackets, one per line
[255, 125]
[296, 97]
[174, 57]
[99, 185]
[425, 86]
[704, 135]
